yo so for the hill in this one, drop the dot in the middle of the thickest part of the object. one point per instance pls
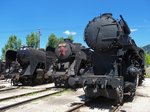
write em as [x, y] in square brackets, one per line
[147, 48]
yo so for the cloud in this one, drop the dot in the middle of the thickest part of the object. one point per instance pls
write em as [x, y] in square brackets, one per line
[67, 32]
[134, 30]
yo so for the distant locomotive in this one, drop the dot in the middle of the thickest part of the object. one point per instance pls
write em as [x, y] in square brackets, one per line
[117, 65]
[2, 69]
[34, 65]
[71, 57]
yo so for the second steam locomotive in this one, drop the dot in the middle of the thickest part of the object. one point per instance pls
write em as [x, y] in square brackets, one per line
[72, 59]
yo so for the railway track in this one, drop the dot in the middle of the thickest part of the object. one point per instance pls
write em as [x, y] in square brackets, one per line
[81, 105]
[2, 87]
[115, 108]
[7, 89]
[78, 106]
[23, 94]
[16, 100]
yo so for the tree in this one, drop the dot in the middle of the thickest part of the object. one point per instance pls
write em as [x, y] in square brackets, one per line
[32, 40]
[147, 58]
[13, 43]
[52, 41]
[70, 37]
[61, 39]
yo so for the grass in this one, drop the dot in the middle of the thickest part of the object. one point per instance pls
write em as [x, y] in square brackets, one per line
[66, 91]
[147, 76]
[147, 72]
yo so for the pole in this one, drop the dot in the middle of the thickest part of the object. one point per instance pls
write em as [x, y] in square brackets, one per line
[39, 34]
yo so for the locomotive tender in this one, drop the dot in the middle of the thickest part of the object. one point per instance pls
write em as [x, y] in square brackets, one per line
[117, 65]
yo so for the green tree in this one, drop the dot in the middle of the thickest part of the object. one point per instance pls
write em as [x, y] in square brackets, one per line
[52, 41]
[70, 37]
[61, 39]
[147, 58]
[32, 40]
[13, 43]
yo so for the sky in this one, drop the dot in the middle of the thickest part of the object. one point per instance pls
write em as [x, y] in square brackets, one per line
[65, 17]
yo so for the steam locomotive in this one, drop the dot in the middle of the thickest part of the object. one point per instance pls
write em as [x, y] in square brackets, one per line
[72, 59]
[2, 69]
[33, 65]
[117, 66]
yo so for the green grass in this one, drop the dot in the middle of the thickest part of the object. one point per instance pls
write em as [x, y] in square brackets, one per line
[147, 72]
[66, 91]
[147, 76]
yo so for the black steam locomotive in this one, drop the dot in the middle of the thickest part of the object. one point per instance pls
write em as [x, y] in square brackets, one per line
[117, 63]
[2, 69]
[72, 59]
[33, 65]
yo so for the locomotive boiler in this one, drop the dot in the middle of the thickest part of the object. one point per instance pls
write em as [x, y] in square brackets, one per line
[72, 59]
[34, 65]
[117, 65]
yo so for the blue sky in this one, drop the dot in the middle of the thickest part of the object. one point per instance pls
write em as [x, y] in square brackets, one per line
[21, 17]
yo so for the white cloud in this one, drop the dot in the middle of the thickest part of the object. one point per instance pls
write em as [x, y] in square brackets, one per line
[67, 32]
[134, 30]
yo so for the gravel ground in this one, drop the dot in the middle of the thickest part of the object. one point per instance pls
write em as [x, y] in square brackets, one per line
[148, 70]
[141, 102]
[5, 83]
[57, 103]
[62, 102]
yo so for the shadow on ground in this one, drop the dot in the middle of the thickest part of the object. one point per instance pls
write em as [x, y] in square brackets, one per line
[102, 104]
